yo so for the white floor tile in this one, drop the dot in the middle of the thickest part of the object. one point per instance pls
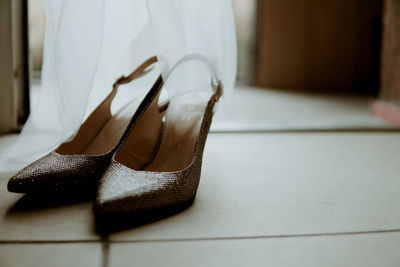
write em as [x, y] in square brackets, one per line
[252, 108]
[50, 255]
[30, 219]
[280, 184]
[354, 250]
[7, 140]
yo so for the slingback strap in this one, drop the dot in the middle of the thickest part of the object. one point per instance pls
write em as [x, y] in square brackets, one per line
[139, 72]
[216, 84]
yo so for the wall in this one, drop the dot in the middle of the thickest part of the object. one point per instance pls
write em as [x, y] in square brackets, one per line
[390, 57]
[319, 45]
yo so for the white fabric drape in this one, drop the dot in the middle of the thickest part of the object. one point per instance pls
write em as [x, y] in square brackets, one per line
[89, 44]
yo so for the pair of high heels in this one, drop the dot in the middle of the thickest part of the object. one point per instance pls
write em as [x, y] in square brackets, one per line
[152, 161]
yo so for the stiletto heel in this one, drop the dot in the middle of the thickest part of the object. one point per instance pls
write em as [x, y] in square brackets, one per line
[77, 165]
[172, 176]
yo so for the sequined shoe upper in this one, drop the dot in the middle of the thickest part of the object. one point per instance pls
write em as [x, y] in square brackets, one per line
[169, 177]
[77, 165]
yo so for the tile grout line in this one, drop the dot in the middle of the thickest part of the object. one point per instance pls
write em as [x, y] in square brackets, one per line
[294, 131]
[105, 251]
[49, 241]
[257, 237]
[106, 242]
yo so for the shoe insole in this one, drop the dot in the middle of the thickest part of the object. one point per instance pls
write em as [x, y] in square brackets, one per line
[142, 142]
[108, 137]
[182, 127]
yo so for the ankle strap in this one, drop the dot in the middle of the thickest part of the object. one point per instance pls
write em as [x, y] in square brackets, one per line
[216, 84]
[139, 72]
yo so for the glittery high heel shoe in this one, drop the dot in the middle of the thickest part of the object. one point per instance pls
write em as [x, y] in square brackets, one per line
[172, 177]
[77, 165]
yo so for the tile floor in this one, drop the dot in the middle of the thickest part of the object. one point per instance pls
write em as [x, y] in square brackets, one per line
[317, 185]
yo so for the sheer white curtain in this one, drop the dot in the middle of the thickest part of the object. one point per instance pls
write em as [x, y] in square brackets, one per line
[89, 44]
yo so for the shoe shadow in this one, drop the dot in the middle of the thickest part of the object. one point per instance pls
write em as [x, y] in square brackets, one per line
[107, 224]
[32, 202]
